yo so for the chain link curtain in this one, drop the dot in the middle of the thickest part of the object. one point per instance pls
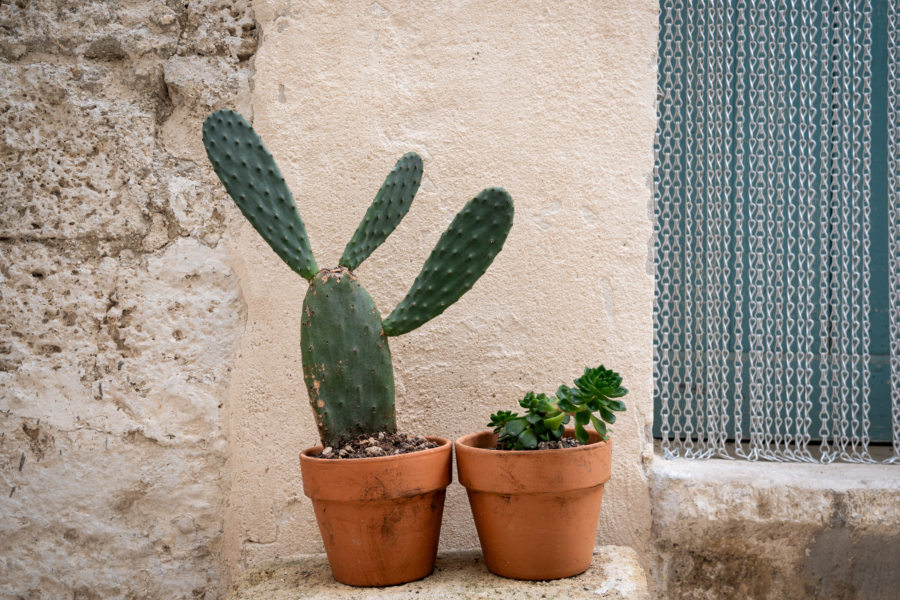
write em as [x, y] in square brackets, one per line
[764, 238]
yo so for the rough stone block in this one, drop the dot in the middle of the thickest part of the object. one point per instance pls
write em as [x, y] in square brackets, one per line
[75, 163]
[196, 87]
[112, 375]
[119, 311]
[736, 529]
[112, 30]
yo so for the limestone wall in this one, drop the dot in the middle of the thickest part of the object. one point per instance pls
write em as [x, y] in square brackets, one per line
[119, 308]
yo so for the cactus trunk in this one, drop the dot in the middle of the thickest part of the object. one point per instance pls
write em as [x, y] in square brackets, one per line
[346, 359]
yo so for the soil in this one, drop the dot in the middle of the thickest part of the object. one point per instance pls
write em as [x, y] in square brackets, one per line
[566, 442]
[380, 444]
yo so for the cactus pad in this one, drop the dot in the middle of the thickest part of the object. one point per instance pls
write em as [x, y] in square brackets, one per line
[461, 256]
[346, 360]
[253, 180]
[387, 210]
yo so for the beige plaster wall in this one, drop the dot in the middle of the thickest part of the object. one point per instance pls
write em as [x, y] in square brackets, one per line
[553, 101]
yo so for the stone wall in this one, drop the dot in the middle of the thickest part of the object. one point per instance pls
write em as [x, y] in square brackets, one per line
[119, 311]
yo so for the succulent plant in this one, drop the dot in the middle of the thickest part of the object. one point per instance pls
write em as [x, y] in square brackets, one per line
[344, 341]
[593, 400]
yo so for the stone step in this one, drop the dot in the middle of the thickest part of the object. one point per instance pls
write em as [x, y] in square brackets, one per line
[615, 574]
[740, 529]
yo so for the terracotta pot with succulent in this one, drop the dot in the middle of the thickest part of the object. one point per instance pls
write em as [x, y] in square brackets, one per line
[379, 515]
[535, 490]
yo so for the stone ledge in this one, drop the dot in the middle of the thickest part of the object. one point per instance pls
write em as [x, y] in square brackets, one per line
[615, 574]
[839, 474]
[767, 491]
[737, 529]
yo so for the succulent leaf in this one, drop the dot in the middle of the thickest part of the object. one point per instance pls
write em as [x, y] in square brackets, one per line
[515, 427]
[390, 205]
[564, 399]
[617, 404]
[501, 417]
[553, 423]
[581, 433]
[527, 401]
[599, 425]
[253, 180]
[528, 439]
[607, 416]
[461, 256]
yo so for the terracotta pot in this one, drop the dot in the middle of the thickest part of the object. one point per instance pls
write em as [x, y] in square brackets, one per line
[536, 511]
[380, 518]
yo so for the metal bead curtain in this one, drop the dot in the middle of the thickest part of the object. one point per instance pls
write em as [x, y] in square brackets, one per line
[763, 312]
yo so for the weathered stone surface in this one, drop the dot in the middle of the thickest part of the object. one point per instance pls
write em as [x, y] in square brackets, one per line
[615, 574]
[76, 162]
[730, 529]
[113, 375]
[196, 86]
[109, 30]
[119, 310]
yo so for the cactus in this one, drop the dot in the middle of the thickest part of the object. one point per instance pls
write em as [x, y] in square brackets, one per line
[344, 347]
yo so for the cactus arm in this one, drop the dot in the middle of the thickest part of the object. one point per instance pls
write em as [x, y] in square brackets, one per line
[387, 210]
[253, 180]
[461, 256]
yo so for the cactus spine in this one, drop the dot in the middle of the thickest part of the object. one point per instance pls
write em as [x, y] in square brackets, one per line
[346, 359]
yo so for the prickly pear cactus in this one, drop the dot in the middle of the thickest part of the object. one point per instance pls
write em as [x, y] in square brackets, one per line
[346, 359]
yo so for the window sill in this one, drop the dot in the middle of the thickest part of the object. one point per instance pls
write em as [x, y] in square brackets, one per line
[735, 528]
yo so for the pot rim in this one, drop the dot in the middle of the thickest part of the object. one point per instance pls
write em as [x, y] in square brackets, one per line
[594, 441]
[482, 469]
[306, 455]
[377, 477]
